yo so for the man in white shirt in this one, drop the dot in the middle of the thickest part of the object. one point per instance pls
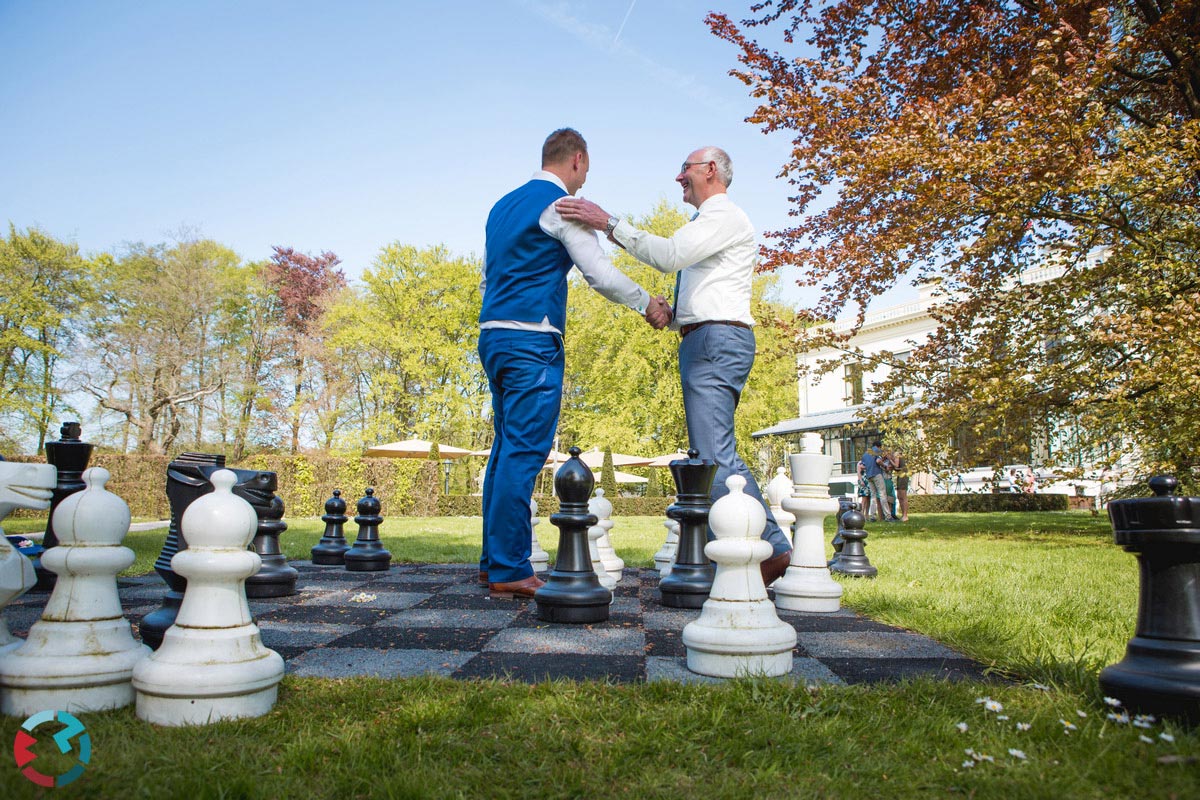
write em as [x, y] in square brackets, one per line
[530, 249]
[713, 257]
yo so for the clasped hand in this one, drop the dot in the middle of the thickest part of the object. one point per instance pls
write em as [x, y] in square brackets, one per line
[658, 313]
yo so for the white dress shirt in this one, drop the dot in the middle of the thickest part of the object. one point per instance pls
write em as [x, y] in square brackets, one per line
[716, 252]
[584, 248]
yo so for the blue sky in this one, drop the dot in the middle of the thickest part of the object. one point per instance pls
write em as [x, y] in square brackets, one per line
[348, 125]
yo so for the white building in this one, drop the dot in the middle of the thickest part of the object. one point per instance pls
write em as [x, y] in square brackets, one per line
[832, 403]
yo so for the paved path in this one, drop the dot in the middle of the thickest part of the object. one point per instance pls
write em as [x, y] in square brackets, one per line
[433, 618]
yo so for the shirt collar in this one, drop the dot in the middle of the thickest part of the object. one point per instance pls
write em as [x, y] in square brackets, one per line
[543, 175]
[715, 200]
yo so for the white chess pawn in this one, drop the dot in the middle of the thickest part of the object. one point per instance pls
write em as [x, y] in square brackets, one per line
[538, 557]
[602, 507]
[212, 664]
[80, 655]
[594, 532]
[807, 584]
[21, 486]
[779, 488]
[738, 632]
[665, 556]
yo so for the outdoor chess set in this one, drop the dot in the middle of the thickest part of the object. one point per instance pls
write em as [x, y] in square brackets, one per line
[234, 615]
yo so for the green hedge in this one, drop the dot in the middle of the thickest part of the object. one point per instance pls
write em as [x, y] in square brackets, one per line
[983, 503]
[405, 487]
[472, 506]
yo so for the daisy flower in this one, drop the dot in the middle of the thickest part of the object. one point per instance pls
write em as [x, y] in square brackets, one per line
[1015, 753]
[962, 727]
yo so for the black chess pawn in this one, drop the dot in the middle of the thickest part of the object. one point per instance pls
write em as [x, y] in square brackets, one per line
[852, 560]
[187, 480]
[275, 578]
[368, 554]
[70, 457]
[1160, 673]
[692, 574]
[573, 592]
[331, 550]
[844, 504]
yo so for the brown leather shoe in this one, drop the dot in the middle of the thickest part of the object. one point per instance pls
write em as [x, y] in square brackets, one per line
[774, 567]
[483, 581]
[522, 588]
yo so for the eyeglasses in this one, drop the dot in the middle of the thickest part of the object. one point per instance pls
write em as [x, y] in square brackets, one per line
[687, 164]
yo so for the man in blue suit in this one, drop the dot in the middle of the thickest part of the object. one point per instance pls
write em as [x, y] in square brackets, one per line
[530, 250]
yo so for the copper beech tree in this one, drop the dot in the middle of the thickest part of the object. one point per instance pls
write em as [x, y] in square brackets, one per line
[1040, 161]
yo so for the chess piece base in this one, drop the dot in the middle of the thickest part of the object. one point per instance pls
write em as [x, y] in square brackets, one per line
[155, 624]
[573, 597]
[369, 561]
[1157, 676]
[807, 589]
[273, 580]
[49, 672]
[329, 556]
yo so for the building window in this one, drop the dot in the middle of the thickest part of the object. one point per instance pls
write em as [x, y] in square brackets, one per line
[854, 384]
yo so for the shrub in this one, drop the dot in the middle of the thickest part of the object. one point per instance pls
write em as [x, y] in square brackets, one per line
[983, 503]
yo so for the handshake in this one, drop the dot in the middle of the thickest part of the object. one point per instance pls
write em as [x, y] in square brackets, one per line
[658, 313]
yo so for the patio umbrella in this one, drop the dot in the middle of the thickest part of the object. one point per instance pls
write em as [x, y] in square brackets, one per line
[622, 477]
[665, 459]
[414, 448]
[594, 458]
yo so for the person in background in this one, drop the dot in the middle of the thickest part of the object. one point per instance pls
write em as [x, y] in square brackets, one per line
[900, 477]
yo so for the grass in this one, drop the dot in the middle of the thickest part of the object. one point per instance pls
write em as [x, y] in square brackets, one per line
[1044, 598]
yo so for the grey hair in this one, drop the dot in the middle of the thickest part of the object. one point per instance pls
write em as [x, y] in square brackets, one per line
[721, 159]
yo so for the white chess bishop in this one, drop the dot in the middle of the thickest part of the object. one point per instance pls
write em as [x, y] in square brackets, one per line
[21, 486]
[779, 488]
[212, 664]
[738, 632]
[80, 655]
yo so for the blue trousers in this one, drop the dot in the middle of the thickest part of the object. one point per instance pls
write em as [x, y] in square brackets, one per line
[714, 363]
[525, 374]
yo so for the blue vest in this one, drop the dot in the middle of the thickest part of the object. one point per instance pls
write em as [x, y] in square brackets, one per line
[526, 269]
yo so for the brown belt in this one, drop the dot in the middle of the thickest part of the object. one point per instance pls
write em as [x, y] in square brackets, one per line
[684, 330]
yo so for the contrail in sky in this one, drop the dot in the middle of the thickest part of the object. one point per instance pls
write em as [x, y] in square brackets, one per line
[627, 13]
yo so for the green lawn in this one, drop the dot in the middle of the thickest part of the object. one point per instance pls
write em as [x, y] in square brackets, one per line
[1044, 598]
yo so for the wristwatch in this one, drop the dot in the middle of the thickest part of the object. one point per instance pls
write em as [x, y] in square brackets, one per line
[612, 223]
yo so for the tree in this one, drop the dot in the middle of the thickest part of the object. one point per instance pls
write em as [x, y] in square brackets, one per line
[304, 284]
[45, 285]
[407, 338]
[152, 333]
[975, 144]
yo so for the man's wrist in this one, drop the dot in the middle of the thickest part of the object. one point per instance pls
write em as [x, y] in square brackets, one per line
[612, 223]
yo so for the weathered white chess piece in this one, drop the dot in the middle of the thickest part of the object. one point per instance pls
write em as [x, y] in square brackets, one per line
[807, 584]
[779, 488]
[80, 655]
[738, 631]
[212, 664]
[538, 557]
[602, 507]
[665, 556]
[21, 486]
[594, 532]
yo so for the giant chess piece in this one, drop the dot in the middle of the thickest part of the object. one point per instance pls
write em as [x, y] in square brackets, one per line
[852, 560]
[187, 481]
[845, 505]
[70, 457]
[738, 632]
[779, 488]
[594, 534]
[276, 578]
[80, 655]
[602, 507]
[368, 553]
[665, 557]
[331, 550]
[692, 573]
[539, 559]
[1160, 673]
[807, 584]
[212, 664]
[21, 486]
[573, 592]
